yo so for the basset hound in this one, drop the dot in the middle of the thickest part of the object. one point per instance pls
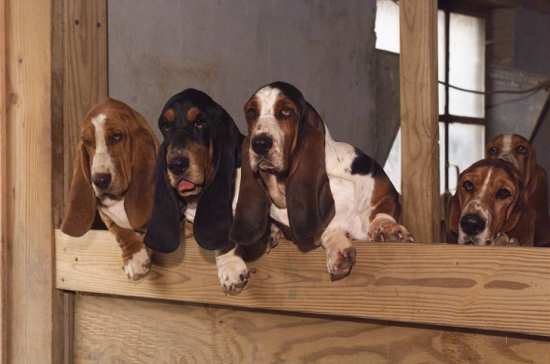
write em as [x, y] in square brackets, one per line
[489, 207]
[314, 189]
[518, 151]
[114, 175]
[197, 178]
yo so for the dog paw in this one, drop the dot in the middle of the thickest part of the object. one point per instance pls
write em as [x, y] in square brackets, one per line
[390, 231]
[232, 273]
[138, 265]
[340, 260]
[275, 237]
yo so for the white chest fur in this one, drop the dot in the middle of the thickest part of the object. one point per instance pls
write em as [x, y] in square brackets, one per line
[114, 210]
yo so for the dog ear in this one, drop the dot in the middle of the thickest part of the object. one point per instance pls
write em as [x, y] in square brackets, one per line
[81, 209]
[453, 218]
[310, 204]
[138, 201]
[250, 225]
[163, 230]
[214, 215]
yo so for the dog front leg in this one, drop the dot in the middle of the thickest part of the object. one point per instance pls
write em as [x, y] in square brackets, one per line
[233, 273]
[339, 251]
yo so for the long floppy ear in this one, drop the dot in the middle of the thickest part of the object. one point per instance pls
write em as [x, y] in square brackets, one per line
[163, 230]
[214, 214]
[138, 201]
[250, 225]
[310, 204]
[453, 217]
[81, 209]
[520, 223]
[532, 175]
[517, 209]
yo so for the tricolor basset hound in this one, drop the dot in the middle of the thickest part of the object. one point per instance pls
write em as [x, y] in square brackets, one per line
[197, 178]
[316, 190]
[518, 151]
[489, 207]
[114, 174]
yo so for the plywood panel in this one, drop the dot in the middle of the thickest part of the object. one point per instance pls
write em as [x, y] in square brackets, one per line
[419, 118]
[115, 330]
[30, 235]
[480, 287]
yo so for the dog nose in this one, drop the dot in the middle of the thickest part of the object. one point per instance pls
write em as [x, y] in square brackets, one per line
[178, 165]
[472, 224]
[262, 144]
[101, 180]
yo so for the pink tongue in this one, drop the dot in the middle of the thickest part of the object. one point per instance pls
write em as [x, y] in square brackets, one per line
[185, 186]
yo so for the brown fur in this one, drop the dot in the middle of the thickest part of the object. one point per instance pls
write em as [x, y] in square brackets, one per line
[134, 162]
[534, 179]
[510, 216]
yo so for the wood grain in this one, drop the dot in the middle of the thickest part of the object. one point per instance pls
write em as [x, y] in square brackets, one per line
[419, 118]
[4, 270]
[115, 330]
[30, 234]
[504, 289]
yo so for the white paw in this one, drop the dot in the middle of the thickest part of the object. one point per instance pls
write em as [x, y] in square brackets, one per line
[232, 272]
[340, 260]
[139, 265]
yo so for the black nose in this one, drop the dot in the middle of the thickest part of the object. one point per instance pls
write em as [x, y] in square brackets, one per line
[178, 165]
[472, 224]
[262, 144]
[101, 180]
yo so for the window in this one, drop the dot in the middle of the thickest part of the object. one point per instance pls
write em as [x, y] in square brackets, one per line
[461, 113]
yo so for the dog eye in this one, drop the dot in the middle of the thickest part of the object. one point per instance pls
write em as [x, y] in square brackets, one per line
[468, 186]
[199, 123]
[116, 138]
[493, 151]
[251, 114]
[285, 113]
[521, 149]
[503, 193]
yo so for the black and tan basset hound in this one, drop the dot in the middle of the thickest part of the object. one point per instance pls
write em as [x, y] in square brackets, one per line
[490, 207]
[518, 151]
[317, 190]
[197, 178]
[114, 174]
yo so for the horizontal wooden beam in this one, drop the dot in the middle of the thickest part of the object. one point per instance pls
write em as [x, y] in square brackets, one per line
[503, 289]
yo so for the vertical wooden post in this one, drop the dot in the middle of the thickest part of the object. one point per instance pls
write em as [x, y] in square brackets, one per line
[3, 185]
[419, 118]
[31, 251]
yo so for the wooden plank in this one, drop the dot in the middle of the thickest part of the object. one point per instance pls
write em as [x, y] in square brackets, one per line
[419, 113]
[504, 289]
[113, 330]
[3, 186]
[30, 234]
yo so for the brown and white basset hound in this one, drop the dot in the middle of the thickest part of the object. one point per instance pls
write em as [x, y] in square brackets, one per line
[114, 174]
[489, 207]
[518, 151]
[316, 190]
[197, 179]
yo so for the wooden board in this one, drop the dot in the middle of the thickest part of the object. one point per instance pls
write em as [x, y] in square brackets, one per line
[3, 185]
[419, 118]
[490, 288]
[114, 330]
[30, 235]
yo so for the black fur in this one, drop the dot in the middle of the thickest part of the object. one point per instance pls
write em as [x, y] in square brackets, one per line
[363, 165]
[214, 214]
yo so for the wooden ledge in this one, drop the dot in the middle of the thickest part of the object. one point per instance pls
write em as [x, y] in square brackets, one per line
[503, 289]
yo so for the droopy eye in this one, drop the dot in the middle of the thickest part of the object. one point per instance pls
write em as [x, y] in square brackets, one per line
[521, 149]
[468, 186]
[116, 138]
[165, 128]
[285, 113]
[251, 114]
[503, 193]
[199, 123]
[493, 151]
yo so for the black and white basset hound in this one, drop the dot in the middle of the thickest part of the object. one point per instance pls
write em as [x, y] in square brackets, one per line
[317, 190]
[197, 177]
